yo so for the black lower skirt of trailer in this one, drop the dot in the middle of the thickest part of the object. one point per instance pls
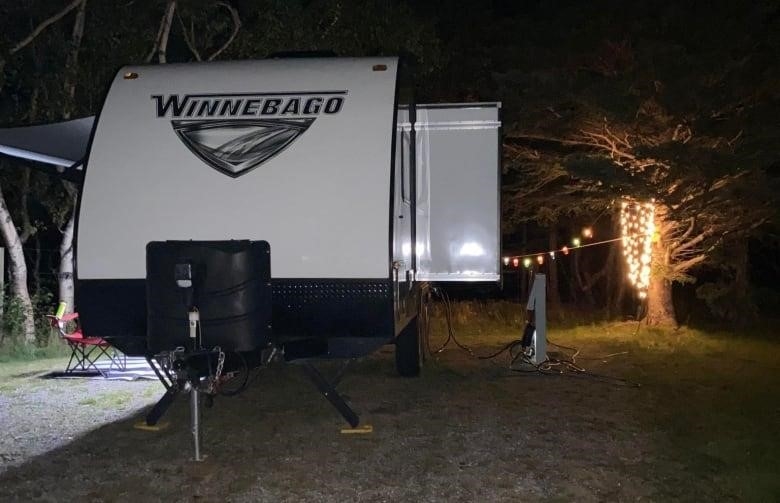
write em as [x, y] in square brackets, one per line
[345, 318]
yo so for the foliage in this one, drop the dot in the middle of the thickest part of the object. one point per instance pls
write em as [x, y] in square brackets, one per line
[676, 106]
[675, 102]
[11, 327]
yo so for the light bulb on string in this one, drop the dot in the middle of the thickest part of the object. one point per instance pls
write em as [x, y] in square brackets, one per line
[587, 232]
[527, 262]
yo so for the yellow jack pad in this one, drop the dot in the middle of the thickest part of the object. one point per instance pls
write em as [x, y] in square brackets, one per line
[157, 427]
[360, 430]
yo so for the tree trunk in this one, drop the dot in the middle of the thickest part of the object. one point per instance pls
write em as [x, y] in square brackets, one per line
[36, 269]
[584, 282]
[65, 276]
[616, 281]
[71, 64]
[745, 311]
[160, 48]
[660, 308]
[553, 295]
[18, 270]
[522, 272]
[65, 286]
[616, 291]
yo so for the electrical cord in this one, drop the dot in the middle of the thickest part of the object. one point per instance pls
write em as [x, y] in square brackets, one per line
[551, 366]
[241, 376]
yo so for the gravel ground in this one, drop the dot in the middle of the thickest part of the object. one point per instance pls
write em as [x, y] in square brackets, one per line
[703, 426]
[39, 415]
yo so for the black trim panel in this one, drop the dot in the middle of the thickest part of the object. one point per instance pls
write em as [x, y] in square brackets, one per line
[354, 316]
[326, 308]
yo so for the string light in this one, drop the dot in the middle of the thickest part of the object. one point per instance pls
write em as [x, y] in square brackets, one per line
[506, 260]
[637, 227]
[587, 232]
[528, 257]
[540, 259]
[552, 255]
[576, 242]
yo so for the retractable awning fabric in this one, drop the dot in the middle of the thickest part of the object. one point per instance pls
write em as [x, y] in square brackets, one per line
[61, 144]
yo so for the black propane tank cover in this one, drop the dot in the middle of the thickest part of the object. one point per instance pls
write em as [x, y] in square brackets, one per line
[230, 287]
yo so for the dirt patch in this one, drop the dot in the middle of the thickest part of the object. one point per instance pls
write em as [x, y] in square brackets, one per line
[701, 427]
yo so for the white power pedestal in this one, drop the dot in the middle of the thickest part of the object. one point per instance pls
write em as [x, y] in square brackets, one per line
[537, 302]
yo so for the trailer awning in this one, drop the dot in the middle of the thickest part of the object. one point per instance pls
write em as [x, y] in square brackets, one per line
[61, 144]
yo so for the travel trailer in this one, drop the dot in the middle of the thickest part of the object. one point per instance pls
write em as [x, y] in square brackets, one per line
[274, 208]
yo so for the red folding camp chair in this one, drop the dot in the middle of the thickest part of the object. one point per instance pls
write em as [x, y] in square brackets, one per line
[85, 351]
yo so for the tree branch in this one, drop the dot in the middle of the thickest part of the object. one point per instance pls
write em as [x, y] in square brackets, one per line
[161, 42]
[28, 229]
[688, 231]
[71, 65]
[684, 266]
[189, 38]
[43, 25]
[688, 244]
[236, 28]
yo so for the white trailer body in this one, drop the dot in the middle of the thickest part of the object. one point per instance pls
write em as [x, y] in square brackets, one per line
[318, 201]
[359, 198]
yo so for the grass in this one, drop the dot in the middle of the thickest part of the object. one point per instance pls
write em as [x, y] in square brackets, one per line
[702, 426]
[113, 399]
[24, 369]
[714, 393]
[15, 351]
[17, 374]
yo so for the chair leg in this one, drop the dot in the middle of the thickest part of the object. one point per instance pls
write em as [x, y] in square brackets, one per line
[87, 358]
[82, 358]
[119, 359]
[73, 352]
[101, 351]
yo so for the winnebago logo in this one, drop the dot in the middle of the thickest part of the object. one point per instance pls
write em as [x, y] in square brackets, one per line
[237, 132]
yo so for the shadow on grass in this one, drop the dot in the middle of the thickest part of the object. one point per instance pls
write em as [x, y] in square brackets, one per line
[465, 430]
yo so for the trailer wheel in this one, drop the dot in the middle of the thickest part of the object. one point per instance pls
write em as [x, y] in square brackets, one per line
[408, 351]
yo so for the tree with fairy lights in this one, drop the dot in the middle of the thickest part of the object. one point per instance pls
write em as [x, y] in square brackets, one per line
[680, 116]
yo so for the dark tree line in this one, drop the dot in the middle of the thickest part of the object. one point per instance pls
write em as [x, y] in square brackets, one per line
[650, 100]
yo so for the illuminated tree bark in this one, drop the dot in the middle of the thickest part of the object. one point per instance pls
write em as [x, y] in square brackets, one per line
[65, 275]
[18, 270]
[660, 308]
